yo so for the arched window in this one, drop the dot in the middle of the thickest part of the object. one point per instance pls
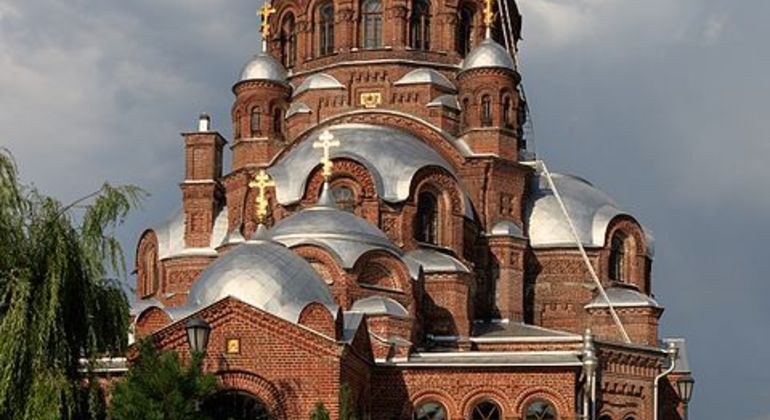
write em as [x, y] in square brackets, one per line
[371, 23]
[486, 410]
[419, 25]
[256, 122]
[507, 111]
[486, 111]
[464, 115]
[426, 226]
[150, 272]
[235, 405]
[540, 410]
[288, 41]
[325, 29]
[278, 121]
[430, 411]
[617, 268]
[464, 29]
[237, 126]
[345, 198]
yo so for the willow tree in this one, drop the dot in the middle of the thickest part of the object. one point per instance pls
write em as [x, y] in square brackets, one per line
[57, 306]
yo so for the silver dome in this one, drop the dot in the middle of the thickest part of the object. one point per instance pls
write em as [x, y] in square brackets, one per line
[425, 75]
[591, 211]
[317, 82]
[488, 54]
[392, 157]
[623, 297]
[263, 274]
[449, 101]
[379, 305]
[264, 67]
[506, 228]
[171, 242]
[344, 234]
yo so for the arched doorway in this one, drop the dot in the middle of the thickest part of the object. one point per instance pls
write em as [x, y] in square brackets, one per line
[235, 405]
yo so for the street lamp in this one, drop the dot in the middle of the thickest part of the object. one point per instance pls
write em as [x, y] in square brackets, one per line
[198, 335]
[684, 387]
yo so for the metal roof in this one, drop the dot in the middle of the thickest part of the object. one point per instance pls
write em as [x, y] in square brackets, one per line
[379, 305]
[493, 331]
[506, 228]
[623, 297]
[449, 101]
[590, 209]
[263, 67]
[318, 81]
[488, 54]
[392, 157]
[297, 108]
[263, 274]
[491, 359]
[425, 75]
[433, 261]
[171, 241]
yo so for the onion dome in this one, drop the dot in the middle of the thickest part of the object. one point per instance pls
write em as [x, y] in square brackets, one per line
[488, 54]
[263, 274]
[622, 296]
[264, 67]
[345, 234]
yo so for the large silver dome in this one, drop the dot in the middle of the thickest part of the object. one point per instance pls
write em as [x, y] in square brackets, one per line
[263, 274]
[264, 67]
[345, 234]
[488, 54]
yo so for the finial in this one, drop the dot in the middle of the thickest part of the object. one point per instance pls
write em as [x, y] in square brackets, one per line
[261, 182]
[265, 12]
[326, 141]
[489, 18]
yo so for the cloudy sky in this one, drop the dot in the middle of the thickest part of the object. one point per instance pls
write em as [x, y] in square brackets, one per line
[661, 103]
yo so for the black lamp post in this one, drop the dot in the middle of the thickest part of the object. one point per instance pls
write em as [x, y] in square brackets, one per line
[198, 335]
[684, 387]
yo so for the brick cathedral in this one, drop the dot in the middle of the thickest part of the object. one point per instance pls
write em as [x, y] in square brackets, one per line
[384, 232]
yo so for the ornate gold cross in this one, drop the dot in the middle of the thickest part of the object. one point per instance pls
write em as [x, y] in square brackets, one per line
[489, 14]
[265, 12]
[261, 182]
[326, 141]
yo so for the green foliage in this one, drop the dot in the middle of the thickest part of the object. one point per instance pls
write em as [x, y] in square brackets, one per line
[320, 412]
[159, 387]
[347, 408]
[57, 306]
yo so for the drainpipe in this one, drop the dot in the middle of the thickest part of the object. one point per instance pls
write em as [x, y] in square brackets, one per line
[672, 351]
[590, 367]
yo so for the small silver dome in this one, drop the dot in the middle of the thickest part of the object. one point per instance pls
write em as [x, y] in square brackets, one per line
[425, 76]
[433, 261]
[318, 81]
[264, 67]
[379, 305]
[345, 234]
[506, 228]
[263, 274]
[623, 297]
[488, 54]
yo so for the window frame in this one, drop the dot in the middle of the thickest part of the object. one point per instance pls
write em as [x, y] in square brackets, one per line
[426, 227]
[466, 13]
[371, 24]
[428, 402]
[419, 25]
[549, 404]
[325, 13]
[289, 41]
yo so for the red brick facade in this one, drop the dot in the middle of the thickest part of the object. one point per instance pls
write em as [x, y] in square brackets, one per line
[481, 271]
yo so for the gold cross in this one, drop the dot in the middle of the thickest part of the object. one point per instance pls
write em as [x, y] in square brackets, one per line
[261, 182]
[265, 13]
[326, 141]
[489, 14]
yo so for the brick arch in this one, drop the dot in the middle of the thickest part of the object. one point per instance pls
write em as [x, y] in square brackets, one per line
[148, 244]
[313, 252]
[485, 394]
[150, 320]
[636, 270]
[390, 265]
[541, 393]
[442, 143]
[343, 168]
[441, 180]
[258, 386]
[428, 395]
[318, 318]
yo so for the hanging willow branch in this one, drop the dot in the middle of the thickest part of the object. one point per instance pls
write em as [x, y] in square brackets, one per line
[56, 304]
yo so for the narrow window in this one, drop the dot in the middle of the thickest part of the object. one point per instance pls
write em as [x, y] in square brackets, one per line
[617, 269]
[288, 41]
[326, 29]
[278, 121]
[256, 122]
[486, 410]
[540, 410]
[507, 112]
[426, 228]
[371, 22]
[150, 272]
[419, 25]
[237, 128]
[465, 110]
[430, 411]
[464, 29]
[486, 111]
